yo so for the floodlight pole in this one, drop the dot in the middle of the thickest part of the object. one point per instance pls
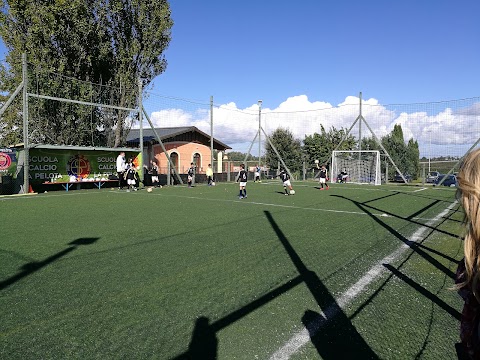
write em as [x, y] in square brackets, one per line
[26, 179]
[140, 118]
[259, 132]
[430, 150]
[211, 131]
[360, 123]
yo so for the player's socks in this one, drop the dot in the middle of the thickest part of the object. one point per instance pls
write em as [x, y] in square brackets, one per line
[244, 192]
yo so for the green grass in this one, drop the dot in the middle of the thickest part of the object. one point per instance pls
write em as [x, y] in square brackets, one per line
[105, 274]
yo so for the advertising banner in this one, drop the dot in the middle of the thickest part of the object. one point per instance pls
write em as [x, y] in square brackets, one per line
[8, 161]
[77, 165]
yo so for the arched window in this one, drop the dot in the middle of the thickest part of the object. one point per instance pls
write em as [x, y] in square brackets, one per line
[197, 161]
[174, 158]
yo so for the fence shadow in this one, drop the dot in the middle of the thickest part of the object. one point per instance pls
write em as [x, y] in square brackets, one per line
[413, 245]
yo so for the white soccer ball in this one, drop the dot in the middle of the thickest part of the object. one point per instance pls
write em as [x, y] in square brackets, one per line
[316, 161]
[292, 192]
[149, 189]
[213, 183]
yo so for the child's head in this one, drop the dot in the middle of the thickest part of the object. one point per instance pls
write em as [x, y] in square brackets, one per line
[469, 187]
[469, 195]
[242, 166]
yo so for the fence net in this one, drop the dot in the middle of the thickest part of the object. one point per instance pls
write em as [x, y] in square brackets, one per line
[443, 130]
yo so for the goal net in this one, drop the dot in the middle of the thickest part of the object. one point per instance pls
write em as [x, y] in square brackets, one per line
[356, 166]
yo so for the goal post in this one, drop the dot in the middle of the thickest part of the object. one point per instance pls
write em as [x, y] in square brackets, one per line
[361, 166]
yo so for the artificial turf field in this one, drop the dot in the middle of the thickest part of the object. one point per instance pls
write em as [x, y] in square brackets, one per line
[354, 272]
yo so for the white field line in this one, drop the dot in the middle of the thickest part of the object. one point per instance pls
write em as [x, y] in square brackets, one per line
[246, 202]
[302, 337]
[421, 189]
[35, 196]
[348, 187]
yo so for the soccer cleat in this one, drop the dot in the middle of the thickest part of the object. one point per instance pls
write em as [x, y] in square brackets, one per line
[286, 194]
[328, 188]
[245, 197]
[240, 197]
[321, 188]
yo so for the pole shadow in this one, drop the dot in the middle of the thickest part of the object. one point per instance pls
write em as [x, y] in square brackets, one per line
[320, 327]
[328, 331]
[32, 267]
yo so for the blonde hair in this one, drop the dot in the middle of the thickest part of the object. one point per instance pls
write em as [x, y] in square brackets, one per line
[469, 191]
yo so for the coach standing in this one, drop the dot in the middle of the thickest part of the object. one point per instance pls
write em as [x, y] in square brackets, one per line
[120, 169]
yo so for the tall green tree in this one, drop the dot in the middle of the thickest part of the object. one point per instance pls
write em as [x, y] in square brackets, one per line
[289, 148]
[110, 43]
[413, 158]
[369, 143]
[320, 146]
[394, 143]
[405, 156]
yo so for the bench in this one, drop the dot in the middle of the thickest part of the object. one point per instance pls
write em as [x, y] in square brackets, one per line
[68, 184]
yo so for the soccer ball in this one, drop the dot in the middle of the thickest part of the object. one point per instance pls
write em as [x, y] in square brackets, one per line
[292, 192]
[149, 189]
[213, 183]
[316, 161]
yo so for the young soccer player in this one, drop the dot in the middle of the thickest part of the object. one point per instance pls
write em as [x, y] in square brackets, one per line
[257, 173]
[323, 177]
[287, 186]
[131, 176]
[154, 172]
[209, 174]
[242, 178]
[191, 174]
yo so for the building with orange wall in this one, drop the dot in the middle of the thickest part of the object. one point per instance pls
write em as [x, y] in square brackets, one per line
[184, 145]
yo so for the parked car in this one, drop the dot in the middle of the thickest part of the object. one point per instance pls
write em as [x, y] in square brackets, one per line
[450, 180]
[398, 178]
[432, 176]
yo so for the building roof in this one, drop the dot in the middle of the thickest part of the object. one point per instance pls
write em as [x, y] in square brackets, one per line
[76, 148]
[174, 134]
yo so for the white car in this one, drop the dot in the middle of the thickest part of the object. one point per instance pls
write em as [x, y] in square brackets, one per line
[432, 176]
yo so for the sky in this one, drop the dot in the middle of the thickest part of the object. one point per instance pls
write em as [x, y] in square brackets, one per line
[313, 53]
[395, 51]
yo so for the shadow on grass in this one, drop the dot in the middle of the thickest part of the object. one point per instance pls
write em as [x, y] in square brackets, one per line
[32, 267]
[435, 299]
[429, 295]
[415, 246]
[419, 249]
[204, 343]
[327, 332]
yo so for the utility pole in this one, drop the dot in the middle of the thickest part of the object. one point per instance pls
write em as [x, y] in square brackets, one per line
[259, 132]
